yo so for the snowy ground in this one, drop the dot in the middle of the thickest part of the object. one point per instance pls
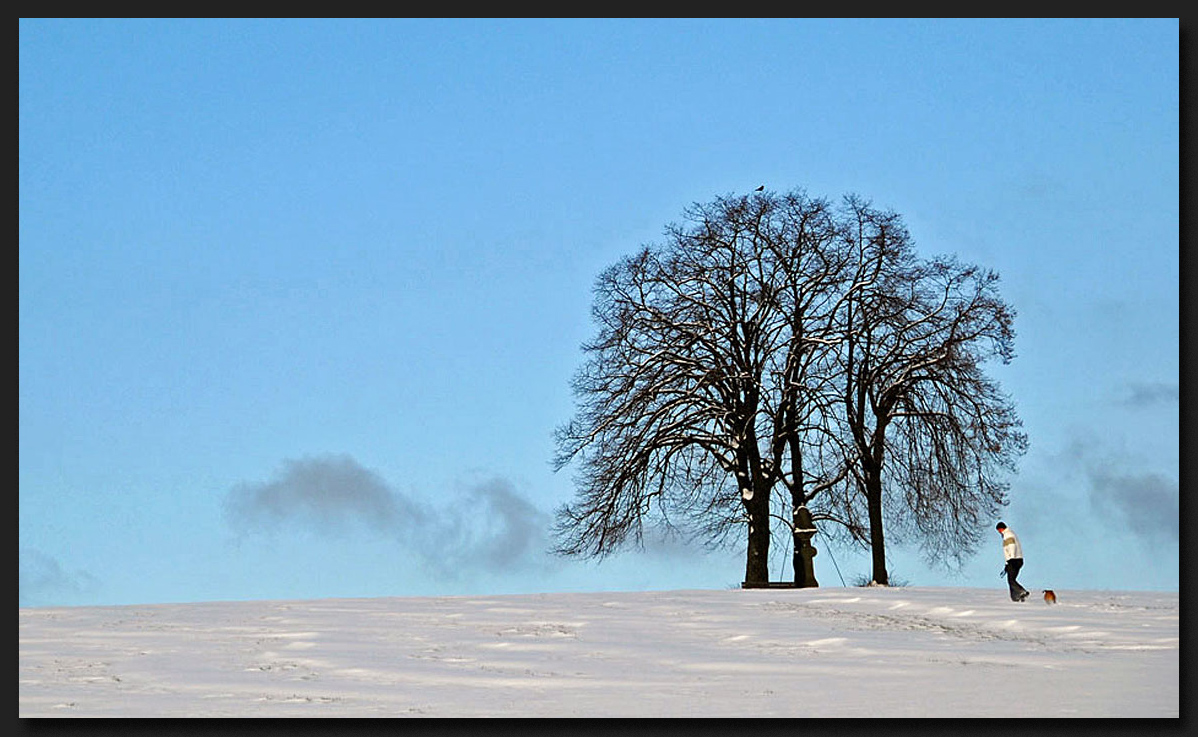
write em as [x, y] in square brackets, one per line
[773, 652]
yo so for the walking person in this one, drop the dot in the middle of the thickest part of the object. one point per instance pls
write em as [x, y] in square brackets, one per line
[1013, 553]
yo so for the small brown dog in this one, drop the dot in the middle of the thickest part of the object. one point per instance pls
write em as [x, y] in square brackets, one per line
[1049, 597]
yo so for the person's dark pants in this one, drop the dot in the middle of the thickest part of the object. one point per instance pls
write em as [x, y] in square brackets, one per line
[1018, 593]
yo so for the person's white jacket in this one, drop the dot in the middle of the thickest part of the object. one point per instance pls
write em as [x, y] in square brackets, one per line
[1010, 545]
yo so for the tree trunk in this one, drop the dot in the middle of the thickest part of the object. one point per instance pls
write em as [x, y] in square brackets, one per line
[796, 556]
[801, 522]
[757, 509]
[877, 540]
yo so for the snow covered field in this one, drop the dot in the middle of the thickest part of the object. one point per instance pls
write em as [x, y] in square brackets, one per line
[766, 652]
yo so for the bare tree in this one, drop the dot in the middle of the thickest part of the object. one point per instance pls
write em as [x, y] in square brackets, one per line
[687, 400]
[778, 344]
[811, 250]
[932, 432]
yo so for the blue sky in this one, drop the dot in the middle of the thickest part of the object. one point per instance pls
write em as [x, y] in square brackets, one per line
[301, 300]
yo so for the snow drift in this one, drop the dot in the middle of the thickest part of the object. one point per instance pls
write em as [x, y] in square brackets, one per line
[823, 652]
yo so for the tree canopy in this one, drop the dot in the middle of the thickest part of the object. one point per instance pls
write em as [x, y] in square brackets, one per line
[778, 348]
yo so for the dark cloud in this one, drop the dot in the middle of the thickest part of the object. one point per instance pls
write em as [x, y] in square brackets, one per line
[1144, 504]
[489, 526]
[495, 528]
[1151, 394]
[41, 578]
[1148, 504]
[330, 494]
